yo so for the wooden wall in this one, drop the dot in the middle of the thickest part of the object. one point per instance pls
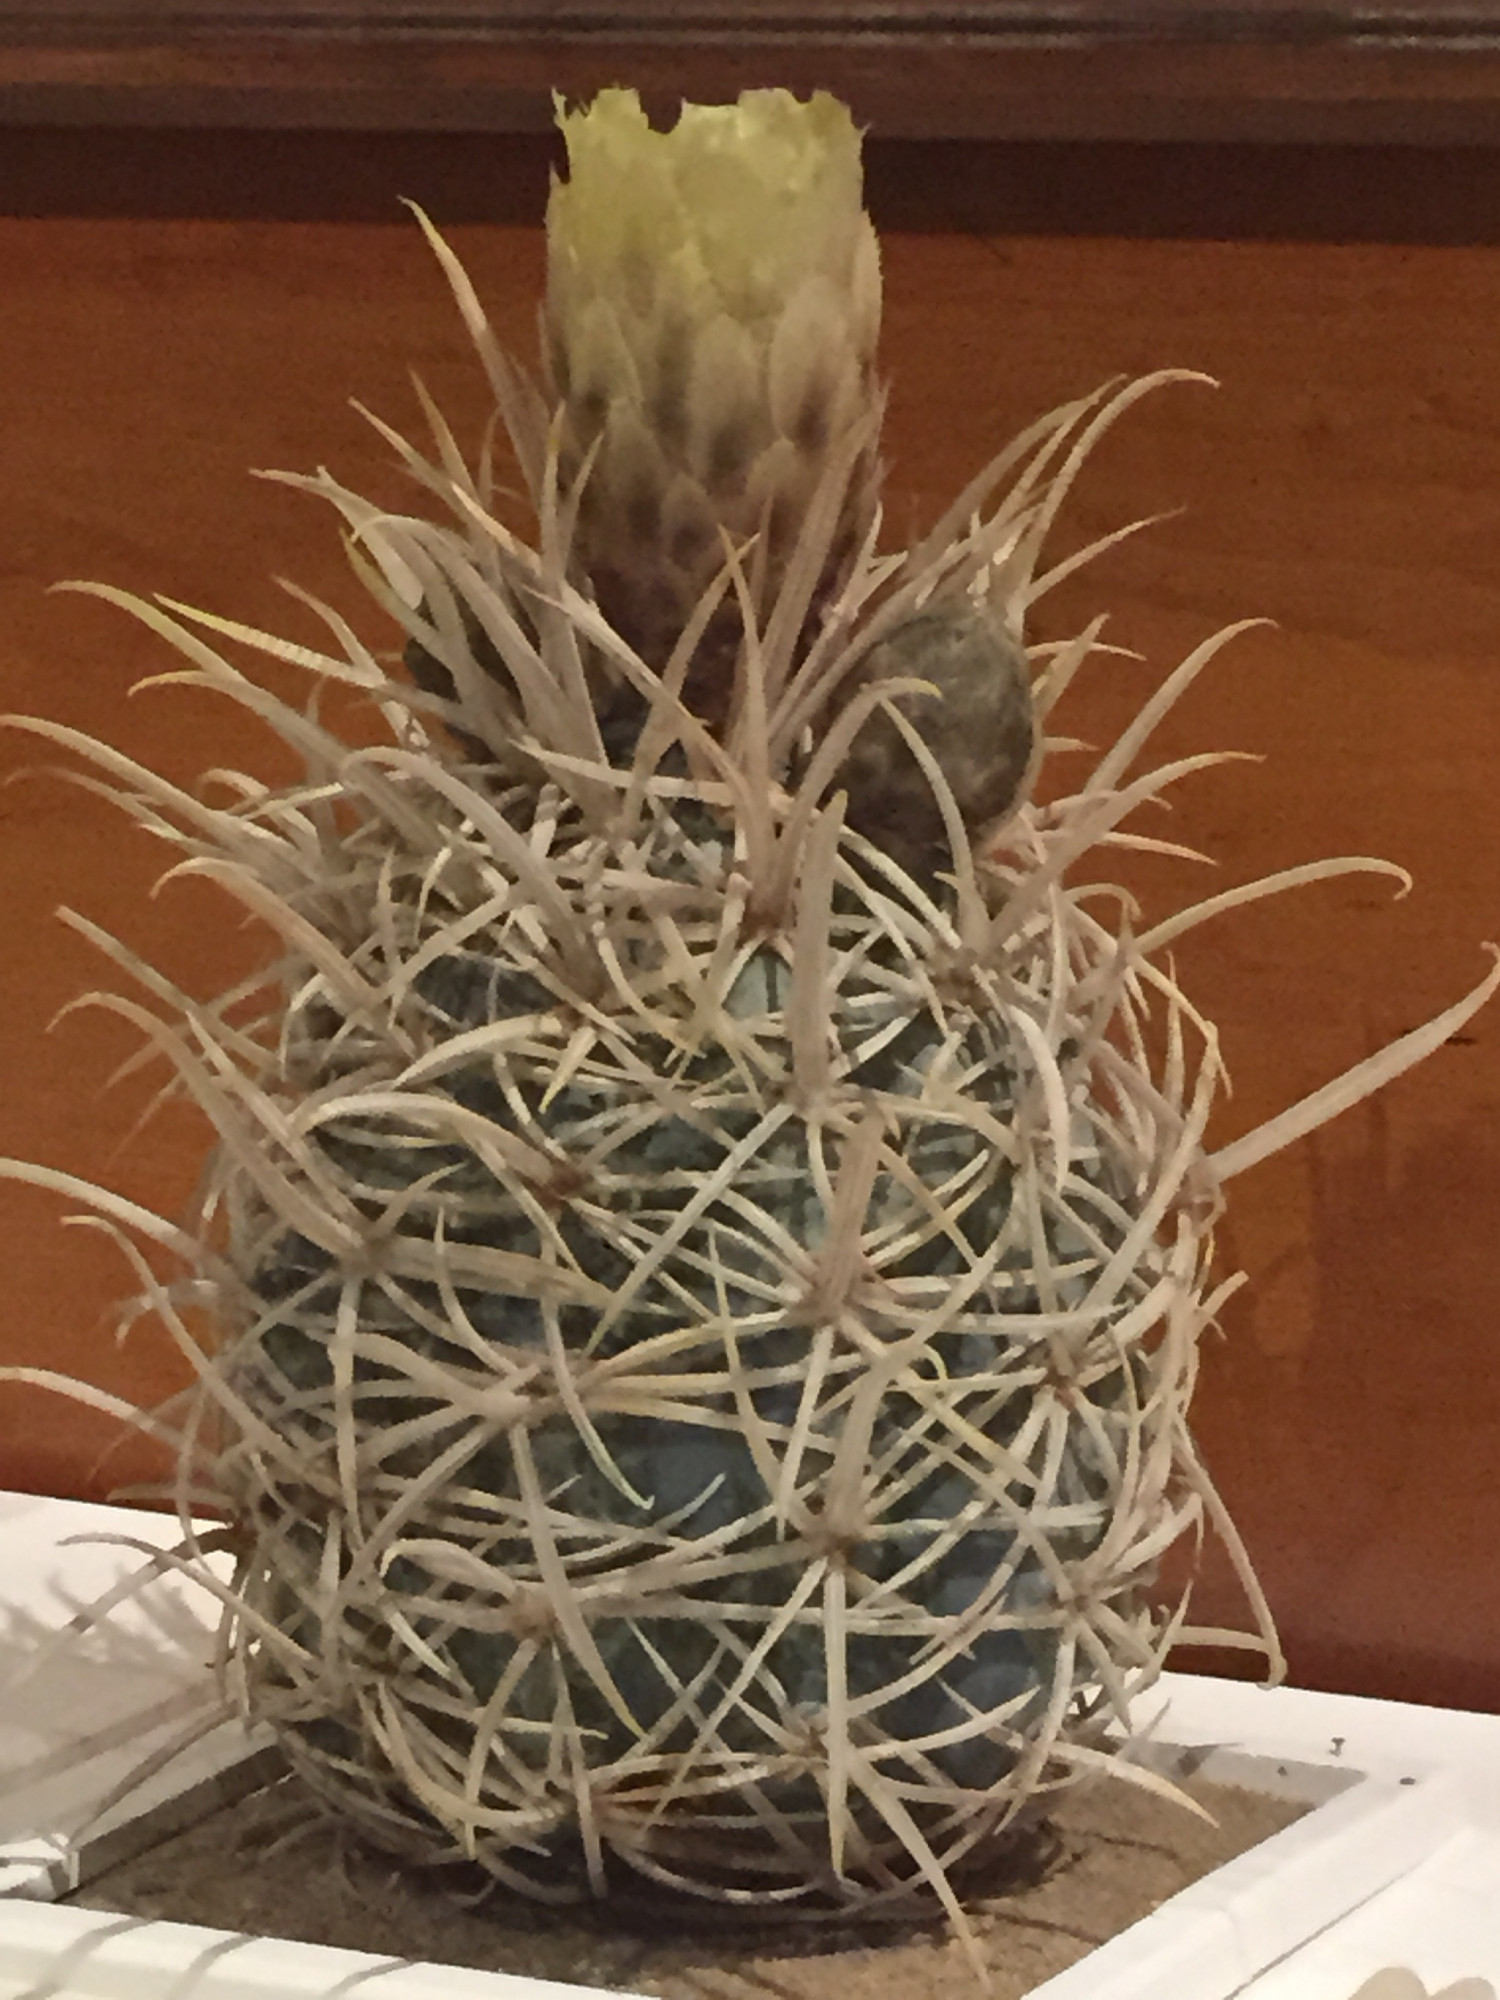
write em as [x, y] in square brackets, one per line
[174, 311]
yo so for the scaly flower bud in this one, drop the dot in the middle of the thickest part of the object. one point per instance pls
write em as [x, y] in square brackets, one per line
[713, 306]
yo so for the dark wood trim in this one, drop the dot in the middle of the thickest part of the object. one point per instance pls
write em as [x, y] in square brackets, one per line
[63, 21]
[1309, 194]
[1422, 72]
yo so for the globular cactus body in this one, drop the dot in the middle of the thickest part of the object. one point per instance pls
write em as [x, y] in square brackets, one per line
[710, 1226]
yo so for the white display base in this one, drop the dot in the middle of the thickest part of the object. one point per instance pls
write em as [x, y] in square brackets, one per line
[1398, 1862]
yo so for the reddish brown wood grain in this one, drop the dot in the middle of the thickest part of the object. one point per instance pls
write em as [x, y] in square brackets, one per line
[1423, 71]
[1344, 481]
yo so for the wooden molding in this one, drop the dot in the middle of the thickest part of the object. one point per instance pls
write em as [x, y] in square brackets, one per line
[1419, 72]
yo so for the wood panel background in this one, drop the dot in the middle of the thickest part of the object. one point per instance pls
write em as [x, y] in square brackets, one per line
[1344, 481]
[1391, 71]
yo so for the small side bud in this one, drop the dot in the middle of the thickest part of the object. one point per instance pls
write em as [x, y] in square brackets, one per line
[978, 724]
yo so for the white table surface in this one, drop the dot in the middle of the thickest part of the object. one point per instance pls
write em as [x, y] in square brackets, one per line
[79, 1710]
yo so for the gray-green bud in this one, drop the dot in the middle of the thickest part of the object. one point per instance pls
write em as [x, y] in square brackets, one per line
[978, 724]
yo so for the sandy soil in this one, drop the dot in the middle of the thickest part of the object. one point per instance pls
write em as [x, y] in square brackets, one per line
[272, 1864]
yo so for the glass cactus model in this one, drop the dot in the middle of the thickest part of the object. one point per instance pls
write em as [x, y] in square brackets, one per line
[710, 1224]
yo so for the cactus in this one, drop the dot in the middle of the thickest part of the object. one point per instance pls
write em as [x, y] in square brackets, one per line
[711, 1222]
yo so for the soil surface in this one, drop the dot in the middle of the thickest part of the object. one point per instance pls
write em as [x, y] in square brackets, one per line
[273, 1864]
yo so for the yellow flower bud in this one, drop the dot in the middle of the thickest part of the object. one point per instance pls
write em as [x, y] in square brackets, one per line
[713, 308]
